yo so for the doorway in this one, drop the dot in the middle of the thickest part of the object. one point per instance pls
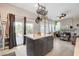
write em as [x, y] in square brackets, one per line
[29, 28]
[19, 30]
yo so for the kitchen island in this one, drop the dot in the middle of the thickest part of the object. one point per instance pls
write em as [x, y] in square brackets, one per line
[39, 45]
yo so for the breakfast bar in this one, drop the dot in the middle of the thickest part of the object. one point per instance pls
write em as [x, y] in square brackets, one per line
[39, 45]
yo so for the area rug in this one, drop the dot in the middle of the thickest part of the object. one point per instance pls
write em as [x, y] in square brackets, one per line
[10, 54]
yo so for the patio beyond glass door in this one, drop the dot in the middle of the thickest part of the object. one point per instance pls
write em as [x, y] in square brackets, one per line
[19, 29]
[29, 28]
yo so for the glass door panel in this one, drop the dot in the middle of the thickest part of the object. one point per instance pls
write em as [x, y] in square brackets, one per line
[19, 30]
[29, 28]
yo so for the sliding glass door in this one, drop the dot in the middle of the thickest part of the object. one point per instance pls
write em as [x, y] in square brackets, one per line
[19, 30]
[29, 28]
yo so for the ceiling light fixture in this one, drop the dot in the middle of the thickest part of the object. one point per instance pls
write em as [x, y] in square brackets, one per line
[41, 11]
[62, 16]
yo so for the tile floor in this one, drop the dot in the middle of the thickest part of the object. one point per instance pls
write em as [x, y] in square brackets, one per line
[20, 51]
[61, 48]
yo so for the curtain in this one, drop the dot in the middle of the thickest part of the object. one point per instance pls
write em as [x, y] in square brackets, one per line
[12, 34]
[24, 31]
[1, 36]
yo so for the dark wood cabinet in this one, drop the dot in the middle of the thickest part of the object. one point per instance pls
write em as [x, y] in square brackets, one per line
[39, 47]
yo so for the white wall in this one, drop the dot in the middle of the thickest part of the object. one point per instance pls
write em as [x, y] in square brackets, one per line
[69, 21]
[36, 27]
[66, 23]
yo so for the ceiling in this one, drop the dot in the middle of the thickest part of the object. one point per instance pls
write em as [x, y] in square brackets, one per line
[54, 9]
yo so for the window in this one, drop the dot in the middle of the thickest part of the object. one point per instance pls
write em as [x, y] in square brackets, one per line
[18, 26]
[48, 28]
[19, 32]
[58, 26]
[45, 28]
[53, 27]
[29, 28]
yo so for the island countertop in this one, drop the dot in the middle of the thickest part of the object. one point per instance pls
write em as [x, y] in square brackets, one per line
[35, 36]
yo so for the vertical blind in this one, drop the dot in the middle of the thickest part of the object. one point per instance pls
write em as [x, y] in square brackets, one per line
[49, 27]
